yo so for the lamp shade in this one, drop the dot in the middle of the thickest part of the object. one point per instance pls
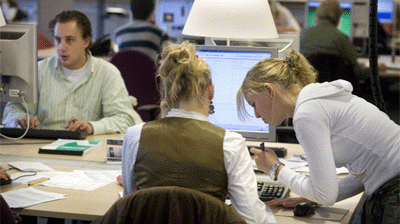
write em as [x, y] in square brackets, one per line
[2, 20]
[237, 19]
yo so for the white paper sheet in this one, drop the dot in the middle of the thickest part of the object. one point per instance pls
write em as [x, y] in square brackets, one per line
[25, 197]
[30, 166]
[87, 180]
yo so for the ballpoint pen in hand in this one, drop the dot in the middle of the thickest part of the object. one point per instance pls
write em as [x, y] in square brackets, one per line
[262, 147]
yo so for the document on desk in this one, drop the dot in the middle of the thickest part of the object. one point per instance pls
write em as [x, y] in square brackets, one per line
[30, 166]
[25, 197]
[87, 180]
[299, 164]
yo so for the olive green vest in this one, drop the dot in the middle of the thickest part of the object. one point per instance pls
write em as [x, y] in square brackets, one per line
[182, 152]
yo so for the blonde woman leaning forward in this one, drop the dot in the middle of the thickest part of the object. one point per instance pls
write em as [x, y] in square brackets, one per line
[184, 149]
[335, 129]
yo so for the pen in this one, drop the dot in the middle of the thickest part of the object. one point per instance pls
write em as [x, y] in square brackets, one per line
[30, 183]
[262, 147]
[4, 170]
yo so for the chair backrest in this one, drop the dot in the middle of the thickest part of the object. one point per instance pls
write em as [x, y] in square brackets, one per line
[43, 42]
[331, 67]
[170, 204]
[139, 73]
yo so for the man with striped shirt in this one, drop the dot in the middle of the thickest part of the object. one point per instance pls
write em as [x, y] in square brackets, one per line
[141, 33]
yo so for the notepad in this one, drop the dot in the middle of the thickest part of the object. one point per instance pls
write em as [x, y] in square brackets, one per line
[70, 147]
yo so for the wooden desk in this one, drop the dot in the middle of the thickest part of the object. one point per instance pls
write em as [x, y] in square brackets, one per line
[78, 205]
[30, 148]
[88, 205]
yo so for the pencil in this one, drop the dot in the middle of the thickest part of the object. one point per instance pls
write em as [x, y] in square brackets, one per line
[30, 183]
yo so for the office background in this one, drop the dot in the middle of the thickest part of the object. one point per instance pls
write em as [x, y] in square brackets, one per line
[106, 24]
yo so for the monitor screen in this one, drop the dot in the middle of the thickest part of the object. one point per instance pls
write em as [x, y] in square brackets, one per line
[171, 15]
[385, 11]
[18, 63]
[229, 66]
[345, 19]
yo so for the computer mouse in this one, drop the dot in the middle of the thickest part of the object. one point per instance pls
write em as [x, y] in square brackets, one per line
[303, 209]
[4, 182]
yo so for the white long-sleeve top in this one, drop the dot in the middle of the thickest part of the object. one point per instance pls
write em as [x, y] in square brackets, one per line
[242, 183]
[335, 129]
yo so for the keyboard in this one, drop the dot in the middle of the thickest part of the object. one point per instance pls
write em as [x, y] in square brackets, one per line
[269, 189]
[43, 133]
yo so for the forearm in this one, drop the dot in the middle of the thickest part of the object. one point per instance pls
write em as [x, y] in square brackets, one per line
[118, 123]
[348, 187]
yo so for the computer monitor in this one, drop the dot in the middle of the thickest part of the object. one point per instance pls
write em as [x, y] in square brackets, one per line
[229, 66]
[18, 63]
[283, 43]
[171, 15]
[385, 11]
[345, 19]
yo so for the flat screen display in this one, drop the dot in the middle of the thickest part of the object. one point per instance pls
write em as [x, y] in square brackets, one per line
[229, 66]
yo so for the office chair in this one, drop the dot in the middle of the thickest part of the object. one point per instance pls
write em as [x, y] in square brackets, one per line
[331, 67]
[139, 73]
[43, 42]
[169, 204]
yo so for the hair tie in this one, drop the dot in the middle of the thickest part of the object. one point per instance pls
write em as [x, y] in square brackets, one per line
[289, 62]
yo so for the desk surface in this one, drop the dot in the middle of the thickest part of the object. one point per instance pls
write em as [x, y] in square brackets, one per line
[30, 148]
[387, 59]
[88, 205]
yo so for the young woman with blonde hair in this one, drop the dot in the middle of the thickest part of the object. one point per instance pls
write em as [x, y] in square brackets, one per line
[335, 129]
[183, 148]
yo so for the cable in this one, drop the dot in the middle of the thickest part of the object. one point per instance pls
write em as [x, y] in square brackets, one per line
[27, 175]
[373, 56]
[27, 127]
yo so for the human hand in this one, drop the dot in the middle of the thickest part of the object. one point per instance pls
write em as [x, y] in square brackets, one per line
[288, 202]
[119, 179]
[3, 174]
[382, 66]
[264, 159]
[75, 124]
[23, 122]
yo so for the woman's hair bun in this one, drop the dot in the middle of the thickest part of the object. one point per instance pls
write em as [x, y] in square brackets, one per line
[175, 56]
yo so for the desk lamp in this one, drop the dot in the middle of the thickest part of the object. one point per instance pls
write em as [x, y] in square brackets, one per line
[230, 19]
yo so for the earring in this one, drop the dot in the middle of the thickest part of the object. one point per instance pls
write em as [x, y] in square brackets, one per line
[211, 108]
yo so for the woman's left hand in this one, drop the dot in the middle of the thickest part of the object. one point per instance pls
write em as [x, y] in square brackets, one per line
[264, 159]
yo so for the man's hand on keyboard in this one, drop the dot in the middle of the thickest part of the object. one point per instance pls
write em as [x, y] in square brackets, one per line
[75, 124]
[24, 122]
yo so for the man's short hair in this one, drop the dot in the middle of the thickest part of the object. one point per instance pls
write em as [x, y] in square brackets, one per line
[329, 10]
[81, 19]
[142, 9]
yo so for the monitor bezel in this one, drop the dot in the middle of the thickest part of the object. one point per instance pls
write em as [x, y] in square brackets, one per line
[18, 60]
[258, 136]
